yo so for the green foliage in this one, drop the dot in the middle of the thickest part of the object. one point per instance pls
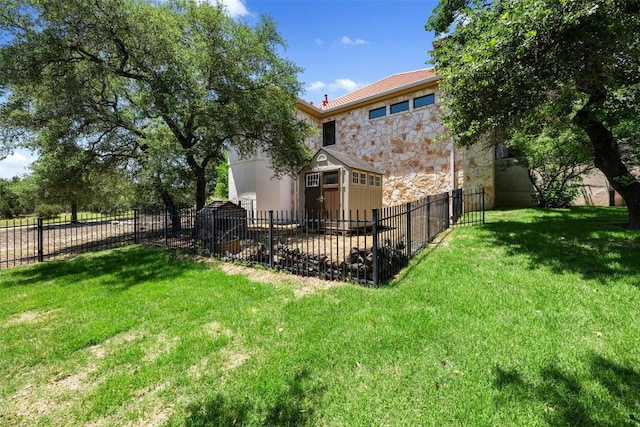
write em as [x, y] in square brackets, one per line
[222, 180]
[9, 200]
[48, 211]
[108, 75]
[556, 160]
[508, 66]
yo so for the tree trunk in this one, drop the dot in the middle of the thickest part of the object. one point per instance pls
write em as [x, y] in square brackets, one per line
[607, 159]
[174, 214]
[74, 213]
[201, 188]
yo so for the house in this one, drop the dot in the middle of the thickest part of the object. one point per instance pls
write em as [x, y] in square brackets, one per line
[393, 128]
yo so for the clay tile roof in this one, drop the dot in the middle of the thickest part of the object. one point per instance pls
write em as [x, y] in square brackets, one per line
[387, 84]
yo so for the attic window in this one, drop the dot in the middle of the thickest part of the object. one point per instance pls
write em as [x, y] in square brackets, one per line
[322, 158]
[378, 112]
[399, 107]
[423, 101]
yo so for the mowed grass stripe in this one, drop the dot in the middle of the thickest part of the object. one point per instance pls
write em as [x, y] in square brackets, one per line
[530, 319]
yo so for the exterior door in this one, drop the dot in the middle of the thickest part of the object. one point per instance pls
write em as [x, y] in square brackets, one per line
[331, 193]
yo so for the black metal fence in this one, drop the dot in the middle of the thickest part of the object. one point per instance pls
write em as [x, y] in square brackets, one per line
[364, 247]
[31, 240]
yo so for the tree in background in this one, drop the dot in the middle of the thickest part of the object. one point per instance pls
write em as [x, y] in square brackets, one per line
[508, 65]
[556, 160]
[105, 72]
[67, 175]
[9, 199]
[222, 179]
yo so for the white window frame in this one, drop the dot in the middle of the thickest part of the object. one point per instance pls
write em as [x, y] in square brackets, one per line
[312, 179]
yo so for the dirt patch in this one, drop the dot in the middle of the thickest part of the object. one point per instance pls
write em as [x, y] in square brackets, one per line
[299, 285]
[163, 344]
[31, 316]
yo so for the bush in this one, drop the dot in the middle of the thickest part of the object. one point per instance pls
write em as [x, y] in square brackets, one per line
[48, 211]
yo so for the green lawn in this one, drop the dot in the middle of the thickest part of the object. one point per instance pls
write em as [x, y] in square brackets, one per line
[529, 320]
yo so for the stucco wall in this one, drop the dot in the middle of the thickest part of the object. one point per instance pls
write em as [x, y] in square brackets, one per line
[513, 187]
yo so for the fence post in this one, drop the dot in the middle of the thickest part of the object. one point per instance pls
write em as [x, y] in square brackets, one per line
[374, 231]
[448, 219]
[408, 230]
[428, 219]
[214, 231]
[483, 205]
[166, 227]
[40, 240]
[136, 238]
[271, 239]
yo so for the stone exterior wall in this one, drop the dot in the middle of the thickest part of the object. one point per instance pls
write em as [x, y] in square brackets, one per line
[404, 147]
[479, 171]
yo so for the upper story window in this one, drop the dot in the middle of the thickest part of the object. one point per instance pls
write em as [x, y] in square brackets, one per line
[399, 107]
[329, 133]
[423, 101]
[377, 112]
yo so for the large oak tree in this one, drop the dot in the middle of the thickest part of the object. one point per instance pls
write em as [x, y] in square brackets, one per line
[510, 65]
[105, 72]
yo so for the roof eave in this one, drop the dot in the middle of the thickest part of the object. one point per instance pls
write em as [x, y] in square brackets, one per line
[318, 112]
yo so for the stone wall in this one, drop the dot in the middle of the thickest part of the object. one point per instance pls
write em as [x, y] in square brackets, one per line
[407, 150]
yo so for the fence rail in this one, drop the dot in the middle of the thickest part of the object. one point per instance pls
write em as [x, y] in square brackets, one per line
[364, 247]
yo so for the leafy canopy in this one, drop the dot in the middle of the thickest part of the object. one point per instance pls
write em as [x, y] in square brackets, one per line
[515, 65]
[100, 72]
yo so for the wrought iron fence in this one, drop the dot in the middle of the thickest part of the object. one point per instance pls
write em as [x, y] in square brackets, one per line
[364, 247]
[31, 240]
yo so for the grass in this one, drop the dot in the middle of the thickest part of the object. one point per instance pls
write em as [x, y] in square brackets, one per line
[61, 218]
[529, 320]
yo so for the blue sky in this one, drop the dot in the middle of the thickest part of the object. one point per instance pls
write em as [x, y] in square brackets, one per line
[341, 45]
[344, 45]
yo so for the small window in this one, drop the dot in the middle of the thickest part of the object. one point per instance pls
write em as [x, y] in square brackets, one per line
[377, 181]
[312, 179]
[328, 133]
[371, 180]
[330, 178]
[424, 101]
[378, 112]
[400, 107]
[363, 178]
[355, 178]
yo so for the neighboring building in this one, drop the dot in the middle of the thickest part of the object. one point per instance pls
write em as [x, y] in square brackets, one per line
[514, 188]
[391, 126]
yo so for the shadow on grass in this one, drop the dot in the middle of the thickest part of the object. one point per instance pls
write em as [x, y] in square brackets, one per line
[119, 268]
[607, 397]
[293, 406]
[592, 242]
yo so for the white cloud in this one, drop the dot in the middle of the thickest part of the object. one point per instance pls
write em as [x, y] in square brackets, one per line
[235, 8]
[319, 41]
[346, 40]
[343, 84]
[316, 86]
[14, 164]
